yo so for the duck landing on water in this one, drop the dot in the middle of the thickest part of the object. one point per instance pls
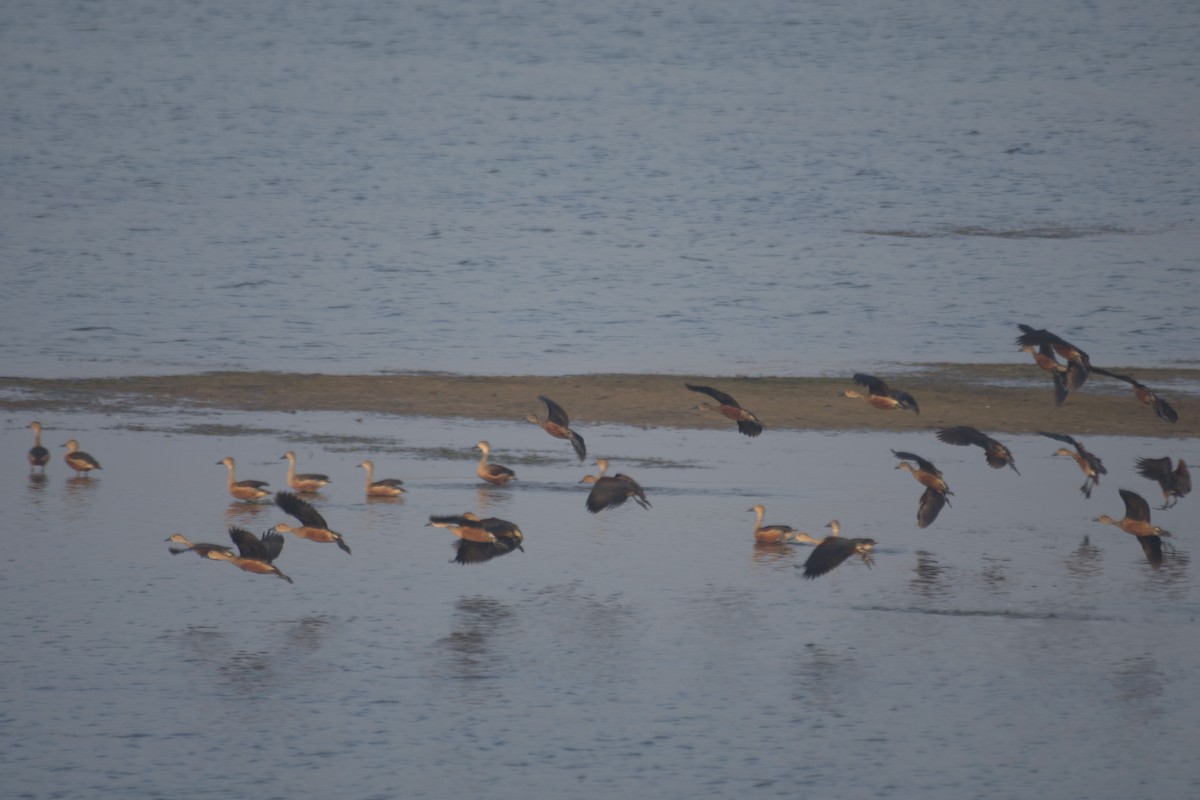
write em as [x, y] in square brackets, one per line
[1091, 466]
[1174, 483]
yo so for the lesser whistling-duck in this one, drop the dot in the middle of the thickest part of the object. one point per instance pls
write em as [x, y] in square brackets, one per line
[202, 549]
[996, 454]
[1137, 522]
[934, 498]
[312, 525]
[726, 406]
[254, 554]
[465, 526]
[929, 506]
[1146, 395]
[610, 492]
[880, 395]
[38, 456]
[833, 550]
[1175, 483]
[603, 464]
[492, 473]
[384, 487]
[1044, 342]
[1091, 466]
[558, 425]
[76, 459]
[480, 540]
[1043, 356]
[776, 534]
[305, 483]
[925, 472]
[246, 490]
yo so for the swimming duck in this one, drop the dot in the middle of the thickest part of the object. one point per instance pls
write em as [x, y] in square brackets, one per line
[558, 425]
[312, 525]
[38, 456]
[1174, 483]
[776, 534]
[726, 406]
[997, 455]
[492, 473]
[1090, 464]
[880, 395]
[384, 487]
[305, 483]
[76, 459]
[246, 490]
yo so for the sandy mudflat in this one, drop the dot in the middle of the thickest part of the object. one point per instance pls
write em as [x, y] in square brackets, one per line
[993, 397]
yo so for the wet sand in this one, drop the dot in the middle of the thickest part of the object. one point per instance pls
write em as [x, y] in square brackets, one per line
[1012, 398]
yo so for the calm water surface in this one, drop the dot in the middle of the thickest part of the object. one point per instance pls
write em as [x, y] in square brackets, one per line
[1016, 643]
[776, 188]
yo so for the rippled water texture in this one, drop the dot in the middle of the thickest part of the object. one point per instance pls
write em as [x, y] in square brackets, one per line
[1014, 648]
[781, 187]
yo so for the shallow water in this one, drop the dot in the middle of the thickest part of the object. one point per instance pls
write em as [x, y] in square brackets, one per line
[776, 188]
[651, 653]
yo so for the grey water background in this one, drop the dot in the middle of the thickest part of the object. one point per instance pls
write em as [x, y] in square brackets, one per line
[766, 188]
[779, 188]
[1014, 648]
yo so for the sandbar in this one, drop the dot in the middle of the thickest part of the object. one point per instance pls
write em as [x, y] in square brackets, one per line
[1006, 398]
